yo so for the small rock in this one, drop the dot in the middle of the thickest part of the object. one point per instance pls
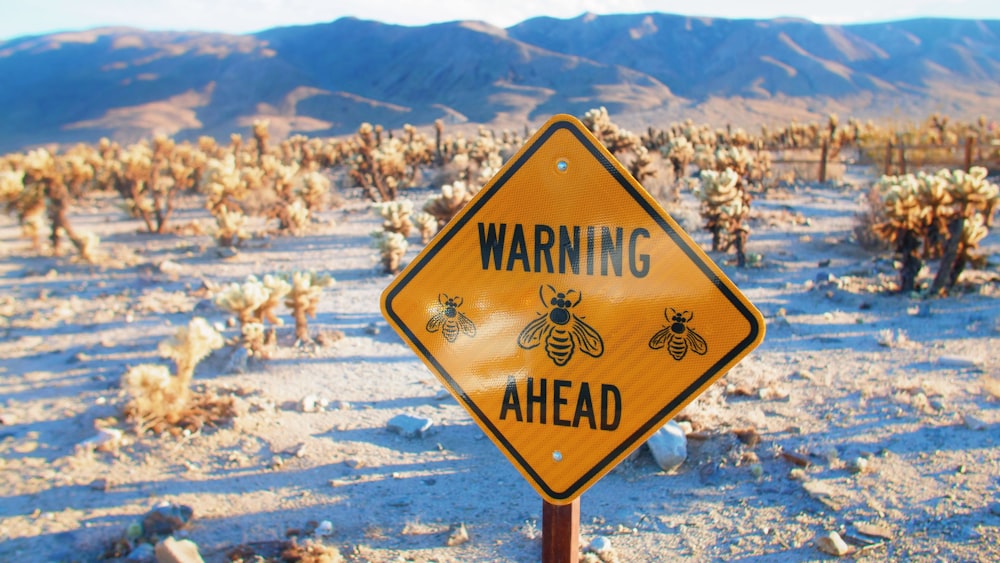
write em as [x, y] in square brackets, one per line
[797, 459]
[372, 329]
[773, 394]
[310, 403]
[748, 436]
[165, 519]
[825, 278]
[833, 544]
[226, 252]
[459, 535]
[668, 446]
[601, 547]
[995, 509]
[873, 530]
[171, 550]
[410, 426]
[102, 485]
[107, 440]
[797, 474]
[325, 528]
[142, 552]
[341, 405]
[959, 362]
[7, 419]
[237, 362]
[972, 422]
[858, 465]
[170, 268]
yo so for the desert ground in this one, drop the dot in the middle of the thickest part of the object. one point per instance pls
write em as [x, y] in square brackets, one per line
[864, 412]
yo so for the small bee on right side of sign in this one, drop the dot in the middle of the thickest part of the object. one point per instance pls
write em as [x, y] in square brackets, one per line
[677, 336]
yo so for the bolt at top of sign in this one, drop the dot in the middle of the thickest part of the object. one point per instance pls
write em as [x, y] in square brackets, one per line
[568, 313]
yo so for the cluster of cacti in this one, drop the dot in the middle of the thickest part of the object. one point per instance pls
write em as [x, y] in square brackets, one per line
[303, 297]
[392, 248]
[157, 399]
[942, 215]
[725, 205]
[620, 143]
[39, 184]
[255, 302]
[396, 216]
[451, 199]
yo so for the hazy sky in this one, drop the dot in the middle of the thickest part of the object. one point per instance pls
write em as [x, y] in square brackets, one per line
[30, 17]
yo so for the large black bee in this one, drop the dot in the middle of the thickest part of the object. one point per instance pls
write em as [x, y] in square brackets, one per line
[449, 320]
[562, 331]
[678, 336]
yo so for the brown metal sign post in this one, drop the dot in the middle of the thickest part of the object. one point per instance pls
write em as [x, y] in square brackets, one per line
[561, 532]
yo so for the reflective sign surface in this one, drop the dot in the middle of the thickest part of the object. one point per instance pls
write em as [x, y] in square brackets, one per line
[568, 312]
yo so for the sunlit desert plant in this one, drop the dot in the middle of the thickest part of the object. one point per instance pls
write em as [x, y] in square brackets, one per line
[159, 400]
[427, 224]
[396, 216]
[303, 298]
[392, 247]
[725, 205]
[450, 201]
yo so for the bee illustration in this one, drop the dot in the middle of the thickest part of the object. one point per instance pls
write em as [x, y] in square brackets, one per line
[678, 336]
[562, 331]
[449, 320]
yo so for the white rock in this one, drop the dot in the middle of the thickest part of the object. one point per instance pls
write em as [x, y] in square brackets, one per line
[325, 528]
[833, 544]
[310, 403]
[107, 439]
[410, 426]
[600, 545]
[668, 446]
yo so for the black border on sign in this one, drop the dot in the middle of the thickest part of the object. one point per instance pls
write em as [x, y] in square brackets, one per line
[657, 419]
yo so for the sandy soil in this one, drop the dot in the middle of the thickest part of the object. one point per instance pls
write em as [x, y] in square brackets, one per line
[891, 400]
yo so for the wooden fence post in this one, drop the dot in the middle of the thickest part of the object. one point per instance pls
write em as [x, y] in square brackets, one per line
[902, 159]
[970, 143]
[824, 152]
[888, 158]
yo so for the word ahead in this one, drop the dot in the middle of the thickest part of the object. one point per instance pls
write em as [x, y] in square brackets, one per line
[533, 252]
[609, 411]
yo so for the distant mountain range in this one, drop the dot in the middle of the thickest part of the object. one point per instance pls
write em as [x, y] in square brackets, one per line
[651, 69]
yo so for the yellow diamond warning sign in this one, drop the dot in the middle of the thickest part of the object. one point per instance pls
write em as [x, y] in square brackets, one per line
[568, 313]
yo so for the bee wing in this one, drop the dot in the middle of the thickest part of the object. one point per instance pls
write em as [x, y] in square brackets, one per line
[696, 342]
[466, 325]
[532, 334]
[436, 322]
[660, 339]
[587, 338]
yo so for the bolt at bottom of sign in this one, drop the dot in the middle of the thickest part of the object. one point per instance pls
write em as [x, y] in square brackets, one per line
[557, 455]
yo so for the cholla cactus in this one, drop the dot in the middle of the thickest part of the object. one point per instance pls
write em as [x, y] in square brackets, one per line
[157, 399]
[27, 204]
[725, 205]
[396, 215]
[427, 224]
[619, 142]
[315, 189]
[231, 225]
[905, 224]
[947, 213]
[392, 247]
[450, 201]
[303, 297]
